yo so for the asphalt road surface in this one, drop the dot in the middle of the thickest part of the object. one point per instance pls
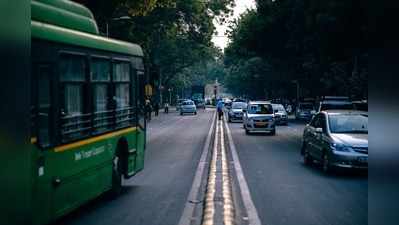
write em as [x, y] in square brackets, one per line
[157, 195]
[284, 191]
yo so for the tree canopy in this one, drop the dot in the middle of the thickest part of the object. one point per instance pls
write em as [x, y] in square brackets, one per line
[320, 44]
[175, 34]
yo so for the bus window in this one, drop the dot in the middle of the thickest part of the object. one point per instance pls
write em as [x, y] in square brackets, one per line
[75, 123]
[100, 78]
[121, 79]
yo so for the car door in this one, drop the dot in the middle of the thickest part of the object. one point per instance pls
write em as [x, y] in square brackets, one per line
[311, 135]
[319, 138]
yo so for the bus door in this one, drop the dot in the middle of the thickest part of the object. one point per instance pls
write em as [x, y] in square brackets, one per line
[41, 137]
[141, 121]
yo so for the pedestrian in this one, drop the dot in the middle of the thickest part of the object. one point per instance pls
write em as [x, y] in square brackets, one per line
[166, 108]
[156, 108]
[219, 107]
[289, 108]
[148, 109]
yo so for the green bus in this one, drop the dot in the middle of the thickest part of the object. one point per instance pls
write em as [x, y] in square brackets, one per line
[87, 123]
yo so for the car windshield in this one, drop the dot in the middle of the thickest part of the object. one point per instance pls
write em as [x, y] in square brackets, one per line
[188, 103]
[306, 106]
[348, 123]
[260, 109]
[239, 105]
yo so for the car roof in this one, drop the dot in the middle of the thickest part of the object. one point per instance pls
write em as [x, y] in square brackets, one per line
[259, 102]
[343, 111]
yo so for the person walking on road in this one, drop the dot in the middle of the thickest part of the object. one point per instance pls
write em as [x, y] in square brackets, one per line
[166, 108]
[156, 108]
[148, 109]
[219, 107]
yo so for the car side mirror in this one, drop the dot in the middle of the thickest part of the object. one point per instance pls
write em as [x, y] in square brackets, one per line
[275, 111]
[244, 110]
[319, 130]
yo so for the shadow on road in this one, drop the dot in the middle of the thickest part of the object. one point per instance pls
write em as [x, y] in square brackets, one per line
[95, 205]
[338, 173]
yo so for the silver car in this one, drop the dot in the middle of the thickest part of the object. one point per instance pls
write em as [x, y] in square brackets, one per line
[337, 138]
[280, 114]
[235, 113]
[188, 106]
[259, 117]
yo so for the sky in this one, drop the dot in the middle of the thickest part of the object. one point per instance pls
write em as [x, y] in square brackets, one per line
[241, 5]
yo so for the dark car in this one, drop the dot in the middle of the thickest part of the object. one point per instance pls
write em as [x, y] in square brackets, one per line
[337, 138]
[305, 111]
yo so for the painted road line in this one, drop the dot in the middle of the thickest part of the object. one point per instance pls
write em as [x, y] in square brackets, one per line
[192, 198]
[253, 217]
[209, 205]
[228, 204]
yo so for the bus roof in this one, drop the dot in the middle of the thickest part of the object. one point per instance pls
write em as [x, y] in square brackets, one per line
[64, 14]
[70, 23]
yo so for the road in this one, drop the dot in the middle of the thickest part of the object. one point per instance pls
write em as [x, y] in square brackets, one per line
[157, 195]
[284, 191]
[287, 192]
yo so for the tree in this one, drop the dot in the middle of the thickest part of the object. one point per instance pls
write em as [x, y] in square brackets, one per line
[322, 44]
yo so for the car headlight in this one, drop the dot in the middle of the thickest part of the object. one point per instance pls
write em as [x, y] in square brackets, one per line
[341, 147]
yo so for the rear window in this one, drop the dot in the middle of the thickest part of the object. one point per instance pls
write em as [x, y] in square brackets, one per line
[239, 105]
[188, 103]
[326, 106]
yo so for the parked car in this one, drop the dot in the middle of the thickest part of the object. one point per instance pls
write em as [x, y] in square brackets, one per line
[305, 111]
[280, 114]
[235, 112]
[259, 117]
[188, 106]
[335, 102]
[337, 138]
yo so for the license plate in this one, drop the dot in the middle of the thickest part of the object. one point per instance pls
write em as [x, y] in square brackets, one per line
[363, 159]
[261, 123]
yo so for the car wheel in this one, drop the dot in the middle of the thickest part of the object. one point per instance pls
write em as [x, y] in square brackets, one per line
[181, 114]
[326, 163]
[307, 159]
[195, 113]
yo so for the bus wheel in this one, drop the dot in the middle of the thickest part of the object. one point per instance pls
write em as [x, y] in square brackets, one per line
[116, 177]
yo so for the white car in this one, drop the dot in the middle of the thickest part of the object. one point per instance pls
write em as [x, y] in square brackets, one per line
[188, 106]
[259, 117]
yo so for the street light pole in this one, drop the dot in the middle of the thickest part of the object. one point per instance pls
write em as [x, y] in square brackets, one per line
[170, 96]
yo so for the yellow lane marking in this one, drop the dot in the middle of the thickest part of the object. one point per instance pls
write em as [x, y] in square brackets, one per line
[209, 208]
[93, 139]
[228, 205]
[228, 209]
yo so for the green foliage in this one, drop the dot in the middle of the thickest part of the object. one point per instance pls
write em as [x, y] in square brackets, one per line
[175, 34]
[320, 43]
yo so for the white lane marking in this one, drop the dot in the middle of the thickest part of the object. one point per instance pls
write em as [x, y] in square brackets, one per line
[253, 217]
[189, 207]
